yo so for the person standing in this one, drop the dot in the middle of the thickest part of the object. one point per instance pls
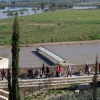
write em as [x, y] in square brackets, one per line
[47, 71]
[33, 73]
[69, 71]
[29, 72]
[41, 73]
[59, 73]
[3, 73]
[37, 73]
[43, 69]
[99, 68]
[89, 69]
[86, 68]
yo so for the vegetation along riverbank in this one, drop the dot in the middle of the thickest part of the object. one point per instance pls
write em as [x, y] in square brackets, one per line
[58, 26]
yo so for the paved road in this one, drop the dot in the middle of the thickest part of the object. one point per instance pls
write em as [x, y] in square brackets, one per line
[65, 75]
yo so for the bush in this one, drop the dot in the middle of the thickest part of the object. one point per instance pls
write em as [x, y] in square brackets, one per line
[74, 86]
[2, 6]
[83, 95]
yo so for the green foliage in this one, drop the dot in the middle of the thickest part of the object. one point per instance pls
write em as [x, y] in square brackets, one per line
[65, 6]
[42, 5]
[9, 13]
[15, 59]
[83, 95]
[21, 12]
[52, 8]
[43, 95]
[2, 6]
[23, 9]
[95, 36]
[9, 84]
[71, 25]
[2, 27]
[30, 90]
[74, 85]
[30, 98]
[55, 92]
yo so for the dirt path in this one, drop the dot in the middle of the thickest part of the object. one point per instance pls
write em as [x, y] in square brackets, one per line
[63, 43]
[57, 43]
[76, 52]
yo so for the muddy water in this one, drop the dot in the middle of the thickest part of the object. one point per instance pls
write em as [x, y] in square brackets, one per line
[73, 53]
[29, 12]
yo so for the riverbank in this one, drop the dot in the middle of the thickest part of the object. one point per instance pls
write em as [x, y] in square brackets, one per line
[77, 52]
[56, 43]
[62, 43]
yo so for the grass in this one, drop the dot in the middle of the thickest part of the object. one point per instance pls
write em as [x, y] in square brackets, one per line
[58, 26]
[45, 95]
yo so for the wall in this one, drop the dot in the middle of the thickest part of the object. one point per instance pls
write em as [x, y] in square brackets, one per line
[4, 63]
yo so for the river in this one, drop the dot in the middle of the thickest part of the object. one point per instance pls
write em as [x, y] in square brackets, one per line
[84, 7]
[30, 11]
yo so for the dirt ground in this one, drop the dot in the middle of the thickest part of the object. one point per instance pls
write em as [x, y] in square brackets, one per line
[76, 52]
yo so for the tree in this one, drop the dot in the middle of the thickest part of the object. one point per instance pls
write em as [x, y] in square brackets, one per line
[9, 84]
[13, 3]
[95, 81]
[15, 59]
[42, 5]
[2, 6]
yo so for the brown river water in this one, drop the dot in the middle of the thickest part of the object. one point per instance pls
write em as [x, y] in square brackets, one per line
[73, 53]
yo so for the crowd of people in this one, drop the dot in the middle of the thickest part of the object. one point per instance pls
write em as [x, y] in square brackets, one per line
[45, 71]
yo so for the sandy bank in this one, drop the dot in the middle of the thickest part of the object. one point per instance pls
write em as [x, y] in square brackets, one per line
[58, 43]
[63, 43]
[76, 52]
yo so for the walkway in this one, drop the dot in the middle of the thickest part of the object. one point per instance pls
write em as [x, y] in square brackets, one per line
[53, 81]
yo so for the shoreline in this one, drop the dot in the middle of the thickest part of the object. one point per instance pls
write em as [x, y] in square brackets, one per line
[55, 43]
[74, 52]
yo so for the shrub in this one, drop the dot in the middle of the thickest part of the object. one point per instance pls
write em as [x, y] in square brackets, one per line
[74, 85]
